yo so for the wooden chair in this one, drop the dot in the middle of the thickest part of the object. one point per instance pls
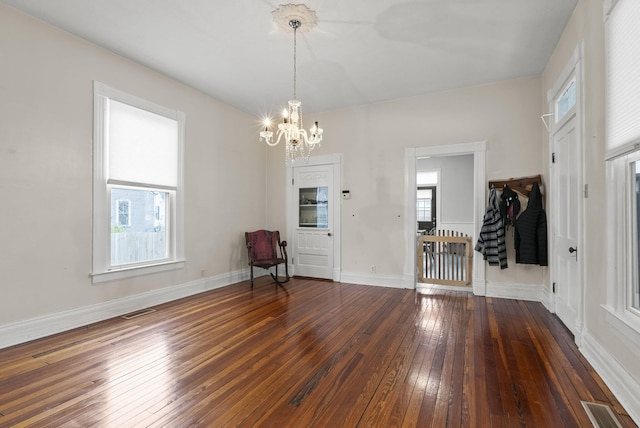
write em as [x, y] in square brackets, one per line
[262, 247]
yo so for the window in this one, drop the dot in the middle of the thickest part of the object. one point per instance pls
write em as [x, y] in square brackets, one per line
[634, 299]
[123, 213]
[623, 166]
[633, 181]
[137, 186]
[424, 204]
[566, 101]
[427, 178]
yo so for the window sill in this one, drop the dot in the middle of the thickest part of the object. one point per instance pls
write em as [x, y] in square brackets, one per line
[625, 322]
[116, 274]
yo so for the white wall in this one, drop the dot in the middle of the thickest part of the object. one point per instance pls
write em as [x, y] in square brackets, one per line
[46, 155]
[46, 120]
[373, 138]
[615, 357]
[455, 190]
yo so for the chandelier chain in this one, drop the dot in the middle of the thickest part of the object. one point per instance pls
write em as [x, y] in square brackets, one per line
[295, 31]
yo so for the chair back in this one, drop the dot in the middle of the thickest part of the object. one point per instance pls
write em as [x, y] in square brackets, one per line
[262, 244]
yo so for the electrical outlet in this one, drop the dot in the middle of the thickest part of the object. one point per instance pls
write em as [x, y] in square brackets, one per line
[372, 268]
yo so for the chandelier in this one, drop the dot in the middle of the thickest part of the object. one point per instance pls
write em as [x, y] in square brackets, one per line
[299, 142]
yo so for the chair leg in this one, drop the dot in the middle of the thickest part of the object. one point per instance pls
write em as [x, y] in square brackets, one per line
[275, 277]
[251, 276]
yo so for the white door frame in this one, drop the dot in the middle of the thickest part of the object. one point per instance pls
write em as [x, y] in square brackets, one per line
[571, 69]
[479, 152]
[336, 161]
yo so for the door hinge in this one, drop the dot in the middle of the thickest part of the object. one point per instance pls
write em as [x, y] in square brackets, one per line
[553, 288]
[553, 158]
[586, 191]
[292, 180]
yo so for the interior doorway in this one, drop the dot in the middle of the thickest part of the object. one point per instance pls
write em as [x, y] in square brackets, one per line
[445, 188]
[312, 245]
[426, 208]
[314, 217]
[567, 196]
[477, 192]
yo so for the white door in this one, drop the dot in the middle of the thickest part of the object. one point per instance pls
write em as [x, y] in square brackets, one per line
[567, 230]
[567, 254]
[313, 217]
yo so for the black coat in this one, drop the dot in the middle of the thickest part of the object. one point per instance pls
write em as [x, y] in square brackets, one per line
[509, 206]
[531, 232]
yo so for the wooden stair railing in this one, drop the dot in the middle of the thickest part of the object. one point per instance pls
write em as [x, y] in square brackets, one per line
[445, 258]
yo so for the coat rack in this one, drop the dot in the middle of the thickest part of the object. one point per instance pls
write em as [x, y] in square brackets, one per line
[521, 185]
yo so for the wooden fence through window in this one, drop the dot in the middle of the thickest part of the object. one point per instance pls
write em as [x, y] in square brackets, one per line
[445, 258]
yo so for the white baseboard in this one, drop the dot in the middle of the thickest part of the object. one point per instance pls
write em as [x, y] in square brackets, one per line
[509, 290]
[36, 328]
[393, 281]
[548, 299]
[479, 287]
[620, 382]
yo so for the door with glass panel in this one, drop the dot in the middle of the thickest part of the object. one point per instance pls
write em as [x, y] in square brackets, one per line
[567, 219]
[313, 217]
[426, 209]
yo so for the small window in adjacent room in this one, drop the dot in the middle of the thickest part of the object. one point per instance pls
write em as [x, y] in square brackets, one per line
[123, 212]
[137, 186]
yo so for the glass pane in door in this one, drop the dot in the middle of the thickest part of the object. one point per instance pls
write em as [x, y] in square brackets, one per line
[313, 207]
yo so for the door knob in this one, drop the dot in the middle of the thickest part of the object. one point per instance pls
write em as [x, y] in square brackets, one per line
[329, 234]
[573, 250]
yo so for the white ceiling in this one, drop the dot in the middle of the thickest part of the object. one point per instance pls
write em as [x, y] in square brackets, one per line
[362, 51]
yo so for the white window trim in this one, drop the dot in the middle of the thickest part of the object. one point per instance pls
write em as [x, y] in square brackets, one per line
[101, 198]
[620, 269]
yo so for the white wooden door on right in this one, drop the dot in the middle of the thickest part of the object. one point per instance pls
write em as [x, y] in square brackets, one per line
[567, 254]
[313, 244]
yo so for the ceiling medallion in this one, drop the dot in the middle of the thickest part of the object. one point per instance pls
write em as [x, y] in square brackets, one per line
[286, 13]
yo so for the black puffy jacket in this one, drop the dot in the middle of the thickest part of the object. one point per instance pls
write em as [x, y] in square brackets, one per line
[531, 232]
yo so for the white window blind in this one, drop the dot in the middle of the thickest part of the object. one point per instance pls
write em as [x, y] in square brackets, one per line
[143, 146]
[623, 82]
[424, 193]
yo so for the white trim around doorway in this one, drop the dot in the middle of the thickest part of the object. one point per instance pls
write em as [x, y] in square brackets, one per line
[336, 161]
[479, 152]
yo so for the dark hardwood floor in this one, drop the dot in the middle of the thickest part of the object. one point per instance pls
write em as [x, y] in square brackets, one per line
[313, 353]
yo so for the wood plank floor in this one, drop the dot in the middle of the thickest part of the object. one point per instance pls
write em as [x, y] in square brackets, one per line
[315, 353]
